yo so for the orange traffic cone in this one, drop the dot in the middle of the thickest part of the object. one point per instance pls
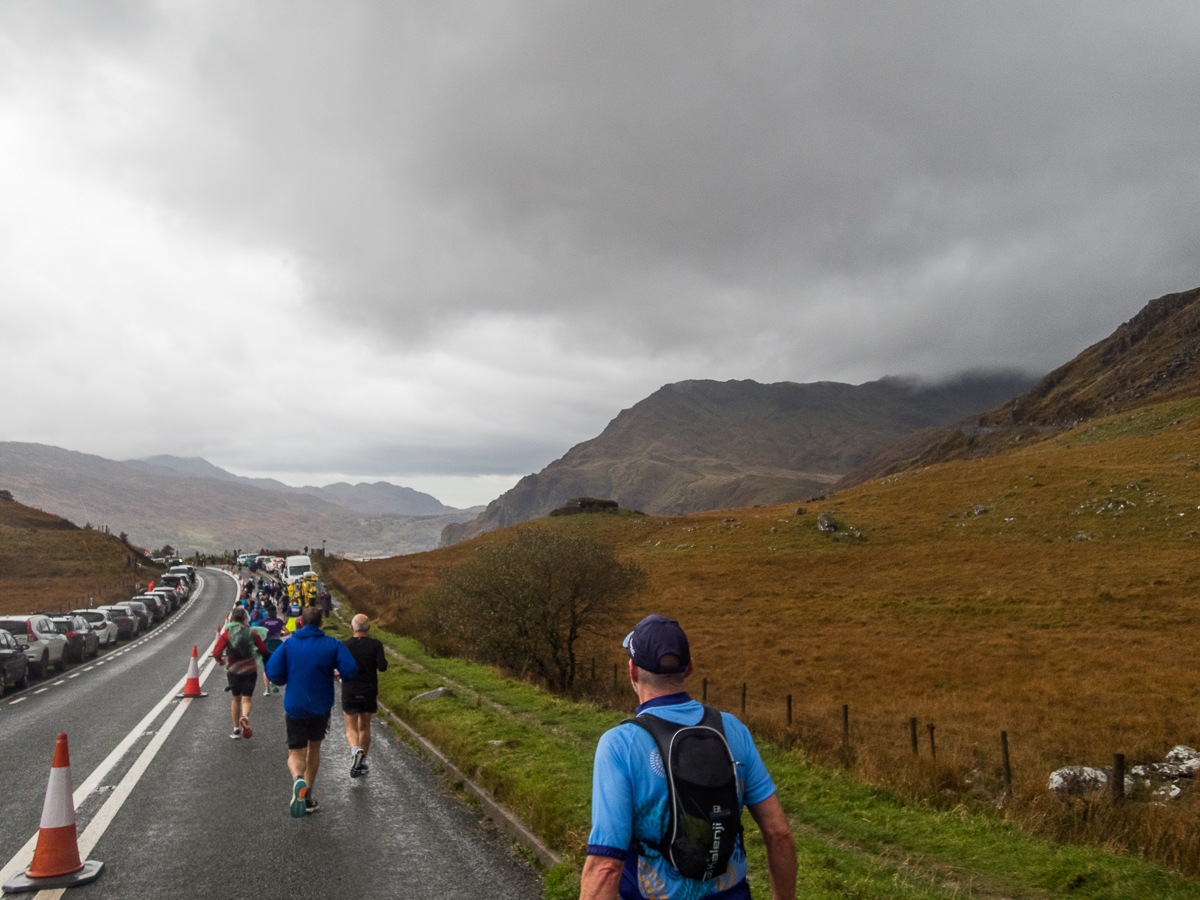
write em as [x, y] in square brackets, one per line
[56, 862]
[191, 687]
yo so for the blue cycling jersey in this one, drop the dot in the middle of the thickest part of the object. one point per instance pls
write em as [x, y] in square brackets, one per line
[629, 804]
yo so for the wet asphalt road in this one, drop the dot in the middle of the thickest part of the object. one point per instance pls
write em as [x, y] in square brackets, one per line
[209, 816]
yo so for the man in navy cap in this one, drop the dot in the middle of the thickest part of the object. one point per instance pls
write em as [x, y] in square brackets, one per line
[629, 789]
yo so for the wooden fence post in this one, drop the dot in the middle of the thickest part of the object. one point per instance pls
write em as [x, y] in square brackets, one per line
[1004, 762]
[1118, 779]
[846, 722]
[932, 746]
[789, 710]
[912, 731]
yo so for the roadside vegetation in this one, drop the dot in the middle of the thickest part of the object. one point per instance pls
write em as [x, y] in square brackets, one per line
[533, 750]
[1049, 593]
[50, 564]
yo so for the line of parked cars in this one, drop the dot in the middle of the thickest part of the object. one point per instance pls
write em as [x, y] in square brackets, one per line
[33, 644]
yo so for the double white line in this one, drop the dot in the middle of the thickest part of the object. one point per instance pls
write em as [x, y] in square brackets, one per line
[103, 818]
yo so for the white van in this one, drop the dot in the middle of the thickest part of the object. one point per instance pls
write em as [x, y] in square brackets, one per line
[295, 568]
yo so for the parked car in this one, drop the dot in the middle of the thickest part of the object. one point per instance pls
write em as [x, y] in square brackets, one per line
[43, 645]
[156, 604]
[82, 642]
[173, 597]
[128, 624]
[14, 667]
[186, 571]
[104, 626]
[176, 581]
[143, 613]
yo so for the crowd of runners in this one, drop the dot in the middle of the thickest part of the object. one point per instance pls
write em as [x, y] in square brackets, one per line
[277, 631]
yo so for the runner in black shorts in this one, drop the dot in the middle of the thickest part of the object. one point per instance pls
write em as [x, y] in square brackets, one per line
[359, 695]
[306, 663]
[235, 650]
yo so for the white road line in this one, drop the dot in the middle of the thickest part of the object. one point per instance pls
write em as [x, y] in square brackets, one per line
[41, 690]
[73, 675]
[18, 700]
[60, 682]
[23, 857]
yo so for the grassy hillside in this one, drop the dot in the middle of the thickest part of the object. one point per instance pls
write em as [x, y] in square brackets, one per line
[48, 563]
[1065, 614]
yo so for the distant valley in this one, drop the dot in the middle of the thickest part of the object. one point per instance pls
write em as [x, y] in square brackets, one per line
[194, 505]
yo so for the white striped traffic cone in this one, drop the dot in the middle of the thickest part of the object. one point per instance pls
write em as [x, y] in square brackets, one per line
[56, 862]
[191, 687]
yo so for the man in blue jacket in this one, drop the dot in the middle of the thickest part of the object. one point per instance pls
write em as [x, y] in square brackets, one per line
[305, 664]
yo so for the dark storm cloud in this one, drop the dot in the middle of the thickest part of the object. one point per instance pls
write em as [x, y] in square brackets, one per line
[627, 194]
[627, 167]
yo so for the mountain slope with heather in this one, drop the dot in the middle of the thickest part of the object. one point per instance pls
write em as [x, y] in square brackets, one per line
[699, 445]
[1153, 358]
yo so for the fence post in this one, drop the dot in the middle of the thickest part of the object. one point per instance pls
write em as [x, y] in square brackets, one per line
[932, 746]
[1118, 781]
[1004, 762]
[912, 730]
[846, 722]
[743, 699]
[593, 669]
[789, 710]
[704, 695]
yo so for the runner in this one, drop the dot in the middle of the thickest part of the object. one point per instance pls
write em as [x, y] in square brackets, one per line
[235, 650]
[276, 630]
[359, 695]
[306, 663]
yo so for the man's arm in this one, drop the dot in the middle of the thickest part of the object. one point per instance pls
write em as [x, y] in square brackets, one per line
[380, 658]
[601, 878]
[781, 848]
[219, 650]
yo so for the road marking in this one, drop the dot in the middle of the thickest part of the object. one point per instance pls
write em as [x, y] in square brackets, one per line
[23, 857]
[89, 668]
[41, 690]
[60, 682]
[18, 700]
[73, 675]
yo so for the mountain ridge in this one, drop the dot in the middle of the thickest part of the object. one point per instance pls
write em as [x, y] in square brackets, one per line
[698, 445]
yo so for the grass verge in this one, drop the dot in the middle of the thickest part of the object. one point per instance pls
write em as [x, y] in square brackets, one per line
[853, 840]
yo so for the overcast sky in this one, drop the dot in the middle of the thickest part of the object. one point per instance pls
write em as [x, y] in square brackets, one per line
[440, 243]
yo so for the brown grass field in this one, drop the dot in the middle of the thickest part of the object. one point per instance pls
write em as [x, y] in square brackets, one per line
[49, 565]
[1004, 621]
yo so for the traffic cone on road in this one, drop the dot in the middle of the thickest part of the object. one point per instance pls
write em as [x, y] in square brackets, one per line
[56, 862]
[191, 687]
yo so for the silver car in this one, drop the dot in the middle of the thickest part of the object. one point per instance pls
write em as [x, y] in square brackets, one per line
[104, 627]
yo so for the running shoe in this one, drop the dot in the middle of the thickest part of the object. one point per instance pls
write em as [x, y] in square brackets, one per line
[356, 763]
[311, 805]
[299, 809]
[236, 733]
[266, 693]
[363, 768]
[274, 689]
[245, 723]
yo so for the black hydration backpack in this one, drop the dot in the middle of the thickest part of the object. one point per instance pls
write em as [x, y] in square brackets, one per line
[705, 819]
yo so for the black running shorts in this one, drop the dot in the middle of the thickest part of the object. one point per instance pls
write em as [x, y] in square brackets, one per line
[301, 731]
[359, 701]
[243, 684]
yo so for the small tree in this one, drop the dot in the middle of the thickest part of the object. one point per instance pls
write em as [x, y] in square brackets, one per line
[525, 603]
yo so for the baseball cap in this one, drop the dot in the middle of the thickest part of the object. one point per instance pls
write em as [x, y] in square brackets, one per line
[652, 639]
